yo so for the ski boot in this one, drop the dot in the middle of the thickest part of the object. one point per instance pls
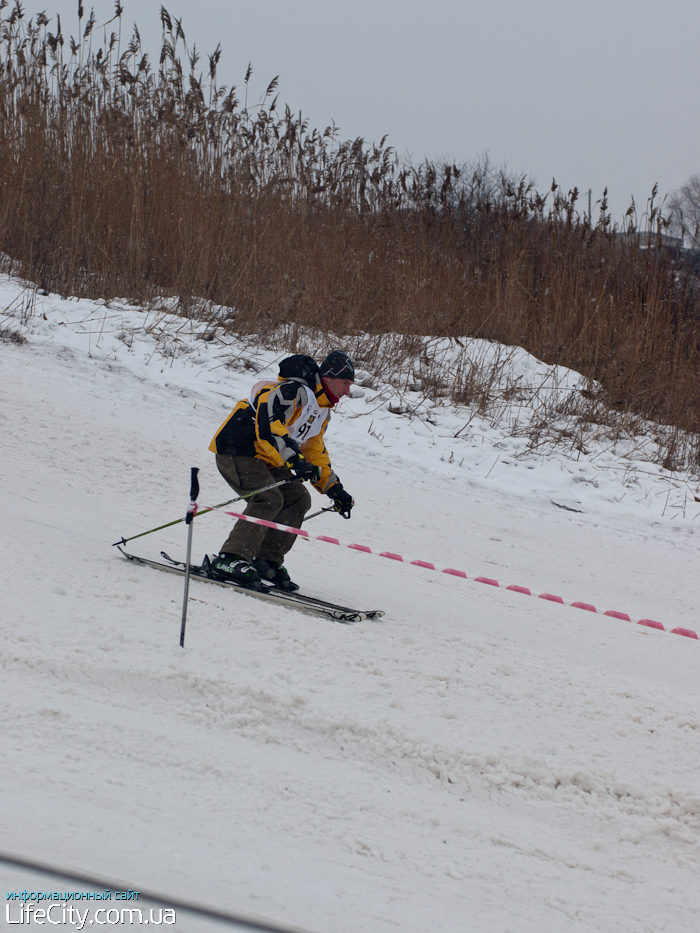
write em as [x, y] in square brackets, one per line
[274, 573]
[237, 570]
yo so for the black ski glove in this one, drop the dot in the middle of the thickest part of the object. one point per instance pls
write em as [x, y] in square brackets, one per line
[342, 500]
[304, 470]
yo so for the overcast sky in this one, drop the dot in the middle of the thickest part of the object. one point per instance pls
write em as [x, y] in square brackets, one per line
[589, 92]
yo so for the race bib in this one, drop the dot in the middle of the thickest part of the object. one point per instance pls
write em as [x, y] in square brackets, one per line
[311, 420]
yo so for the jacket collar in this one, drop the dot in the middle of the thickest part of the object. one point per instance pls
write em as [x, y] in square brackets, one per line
[325, 397]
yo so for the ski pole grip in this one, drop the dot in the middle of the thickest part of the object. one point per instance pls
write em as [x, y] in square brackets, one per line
[194, 493]
[194, 484]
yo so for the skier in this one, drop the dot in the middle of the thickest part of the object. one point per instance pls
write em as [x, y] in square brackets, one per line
[277, 434]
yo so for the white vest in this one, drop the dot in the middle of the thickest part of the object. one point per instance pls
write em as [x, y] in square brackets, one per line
[311, 420]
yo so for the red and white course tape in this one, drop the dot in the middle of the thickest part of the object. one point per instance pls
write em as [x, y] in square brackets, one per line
[613, 613]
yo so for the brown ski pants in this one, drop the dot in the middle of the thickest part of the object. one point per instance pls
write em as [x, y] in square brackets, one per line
[286, 504]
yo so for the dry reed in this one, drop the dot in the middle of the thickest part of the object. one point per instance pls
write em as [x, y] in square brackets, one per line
[121, 179]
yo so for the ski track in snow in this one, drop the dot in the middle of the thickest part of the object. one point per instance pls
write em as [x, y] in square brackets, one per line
[476, 760]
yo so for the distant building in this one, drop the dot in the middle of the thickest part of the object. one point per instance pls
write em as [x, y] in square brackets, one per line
[651, 239]
[671, 245]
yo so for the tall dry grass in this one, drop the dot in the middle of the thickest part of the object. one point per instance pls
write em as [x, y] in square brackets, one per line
[119, 177]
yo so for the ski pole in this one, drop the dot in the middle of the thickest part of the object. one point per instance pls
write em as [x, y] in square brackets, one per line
[330, 508]
[211, 508]
[191, 511]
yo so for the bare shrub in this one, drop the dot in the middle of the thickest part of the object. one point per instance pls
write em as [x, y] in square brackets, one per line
[7, 335]
[684, 212]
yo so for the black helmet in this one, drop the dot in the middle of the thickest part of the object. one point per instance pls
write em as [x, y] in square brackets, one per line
[300, 367]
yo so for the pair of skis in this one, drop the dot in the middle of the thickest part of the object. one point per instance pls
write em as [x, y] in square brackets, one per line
[307, 604]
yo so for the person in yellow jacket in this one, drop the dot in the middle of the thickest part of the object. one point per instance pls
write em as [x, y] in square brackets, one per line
[277, 434]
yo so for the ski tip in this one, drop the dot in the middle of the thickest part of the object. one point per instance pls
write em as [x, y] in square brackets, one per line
[351, 617]
[348, 618]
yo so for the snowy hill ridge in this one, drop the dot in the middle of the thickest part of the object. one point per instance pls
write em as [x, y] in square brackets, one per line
[474, 761]
[167, 350]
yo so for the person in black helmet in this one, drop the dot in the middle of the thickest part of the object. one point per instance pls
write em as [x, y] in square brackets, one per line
[275, 434]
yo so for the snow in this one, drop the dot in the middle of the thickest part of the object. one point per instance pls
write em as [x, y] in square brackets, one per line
[477, 760]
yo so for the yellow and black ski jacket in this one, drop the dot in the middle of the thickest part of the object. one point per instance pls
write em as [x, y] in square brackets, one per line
[280, 420]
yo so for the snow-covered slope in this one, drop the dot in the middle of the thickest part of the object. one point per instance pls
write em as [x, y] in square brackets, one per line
[477, 760]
